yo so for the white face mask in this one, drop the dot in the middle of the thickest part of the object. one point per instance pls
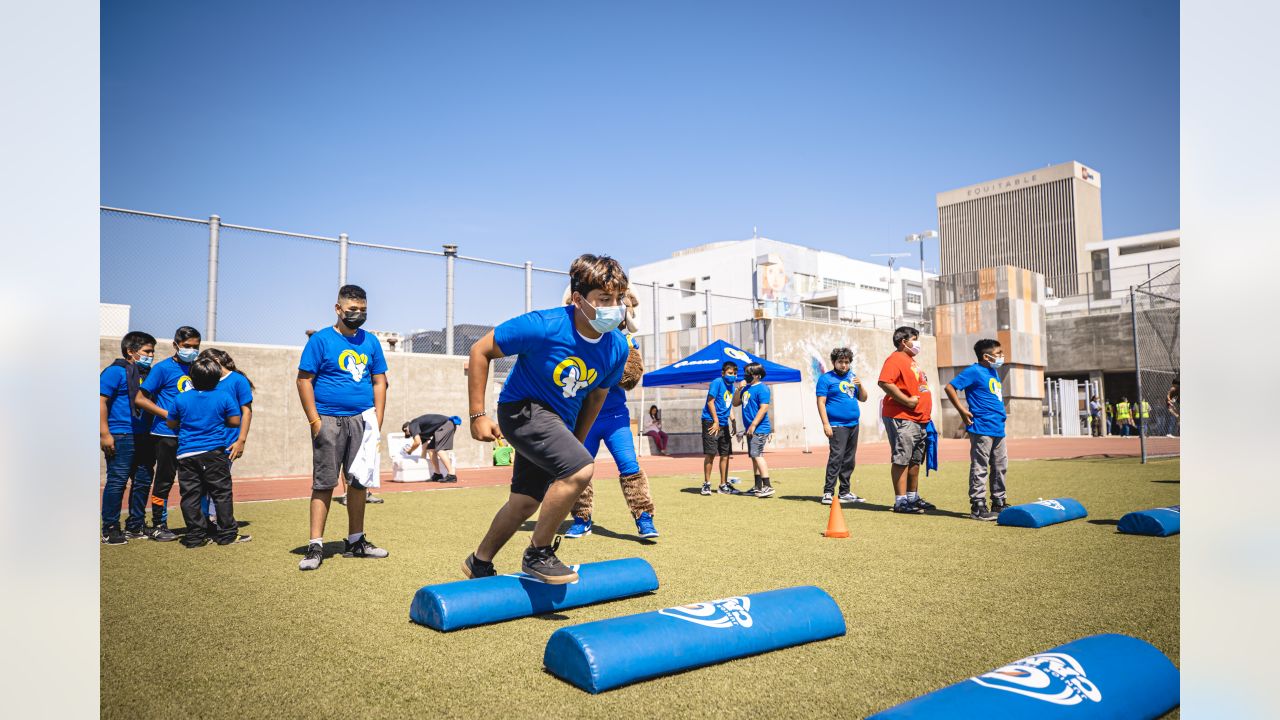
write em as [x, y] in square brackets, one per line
[607, 317]
[913, 349]
[995, 361]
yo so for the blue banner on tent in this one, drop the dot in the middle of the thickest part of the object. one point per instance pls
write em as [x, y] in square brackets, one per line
[1101, 676]
[606, 654]
[1042, 512]
[1161, 522]
[466, 603]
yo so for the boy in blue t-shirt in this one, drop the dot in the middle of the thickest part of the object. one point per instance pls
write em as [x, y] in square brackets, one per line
[166, 381]
[568, 358]
[125, 438]
[716, 438]
[984, 419]
[342, 383]
[838, 393]
[755, 398]
[240, 388]
[200, 418]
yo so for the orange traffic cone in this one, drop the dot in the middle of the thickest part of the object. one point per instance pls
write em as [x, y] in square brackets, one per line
[835, 523]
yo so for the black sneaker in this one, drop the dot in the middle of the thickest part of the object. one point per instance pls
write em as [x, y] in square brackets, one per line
[193, 544]
[135, 533]
[908, 508]
[998, 504]
[362, 548]
[751, 491]
[542, 563]
[726, 489]
[161, 533]
[315, 556]
[237, 540]
[978, 511]
[437, 477]
[113, 536]
[450, 479]
[473, 567]
[373, 499]
[765, 491]
[924, 504]
[706, 488]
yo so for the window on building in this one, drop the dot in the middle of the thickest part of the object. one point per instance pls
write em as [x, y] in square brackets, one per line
[688, 287]
[1147, 247]
[914, 298]
[688, 321]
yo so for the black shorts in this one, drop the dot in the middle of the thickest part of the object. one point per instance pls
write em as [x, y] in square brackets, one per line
[442, 438]
[720, 444]
[546, 449]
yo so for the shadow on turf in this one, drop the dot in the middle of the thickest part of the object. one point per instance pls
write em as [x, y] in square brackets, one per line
[331, 548]
[1168, 482]
[870, 506]
[1104, 522]
[596, 529]
[239, 523]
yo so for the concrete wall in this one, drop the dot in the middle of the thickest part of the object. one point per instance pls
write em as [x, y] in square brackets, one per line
[279, 439]
[1082, 344]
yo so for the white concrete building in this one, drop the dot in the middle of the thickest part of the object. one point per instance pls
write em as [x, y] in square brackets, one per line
[718, 279]
[1124, 261]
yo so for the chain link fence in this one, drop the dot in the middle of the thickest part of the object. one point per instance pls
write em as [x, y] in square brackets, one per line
[1155, 309]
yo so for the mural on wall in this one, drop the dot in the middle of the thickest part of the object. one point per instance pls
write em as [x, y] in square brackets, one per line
[814, 353]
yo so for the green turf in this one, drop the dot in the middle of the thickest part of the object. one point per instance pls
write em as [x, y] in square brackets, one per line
[238, 631]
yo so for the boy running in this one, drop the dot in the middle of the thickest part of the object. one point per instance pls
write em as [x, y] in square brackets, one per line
[166, 381]
[201, 419]
[839, 391]
[716, 437]
[984, 420]
[908, 404]
[342, 382]
[568, 358]
[755, 398]
[125, 438]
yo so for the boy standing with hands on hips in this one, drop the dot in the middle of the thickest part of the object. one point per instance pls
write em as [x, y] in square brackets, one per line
[908, 404]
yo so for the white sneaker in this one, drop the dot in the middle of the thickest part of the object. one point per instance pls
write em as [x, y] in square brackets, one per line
[851, 498]
[765, 491]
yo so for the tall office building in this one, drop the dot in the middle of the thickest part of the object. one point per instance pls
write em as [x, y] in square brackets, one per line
[1039, 220]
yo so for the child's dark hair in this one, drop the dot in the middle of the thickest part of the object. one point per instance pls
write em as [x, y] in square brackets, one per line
[727, 364]
[984, 346]
[596, 272]
[905, 332]
[224, 359]
[754, 371]
[133, 341]
[404, 429]
[655, 412]
[351, 292]
[841, 353]
[205, 373]
[185, 333]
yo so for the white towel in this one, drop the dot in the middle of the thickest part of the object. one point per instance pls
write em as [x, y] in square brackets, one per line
[365, 467]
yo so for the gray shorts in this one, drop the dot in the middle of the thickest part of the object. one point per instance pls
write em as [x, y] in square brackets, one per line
[546, 449]
[907, 439]
[755, 445]
[442, 438]
[334, 448]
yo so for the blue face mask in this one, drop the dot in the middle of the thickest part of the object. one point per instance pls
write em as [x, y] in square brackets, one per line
[145, 360]
[607, 317]
[730, 379]
[996, 362]
[187, 355]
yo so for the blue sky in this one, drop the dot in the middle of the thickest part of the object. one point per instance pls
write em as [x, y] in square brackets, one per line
[541, 130]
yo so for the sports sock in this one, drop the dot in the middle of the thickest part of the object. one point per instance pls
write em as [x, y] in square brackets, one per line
[913, 496]
[355, 537]
[899, 499]
[316, 541]
[766, 482]
[758, 484]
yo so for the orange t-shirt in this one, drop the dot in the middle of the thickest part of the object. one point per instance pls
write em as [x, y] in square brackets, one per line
[901, 370]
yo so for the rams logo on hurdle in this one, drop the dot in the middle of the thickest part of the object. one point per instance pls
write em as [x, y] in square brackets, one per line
[719, 614]
[1053, 677]
[184, 384]
[1051, 504]
[573, 375]
[354, 363]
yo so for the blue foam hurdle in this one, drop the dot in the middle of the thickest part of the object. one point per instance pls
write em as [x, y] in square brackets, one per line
[1042, 512]
[466, 603]
[1101, 676]
[1161, 522]
[606, 654]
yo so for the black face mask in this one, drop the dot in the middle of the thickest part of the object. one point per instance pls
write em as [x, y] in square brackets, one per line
[354, 319]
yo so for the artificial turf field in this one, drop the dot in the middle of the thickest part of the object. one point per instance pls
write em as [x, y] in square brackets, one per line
[929, 600]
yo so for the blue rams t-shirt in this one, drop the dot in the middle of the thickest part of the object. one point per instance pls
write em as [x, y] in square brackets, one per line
[556, 365]
[722, 392]
[237, 386]
[615, 403]
[983, 391]
[344, 368]
[753, 396]
[842, 398]
[113, 384]
[166, 381]
[202, 420]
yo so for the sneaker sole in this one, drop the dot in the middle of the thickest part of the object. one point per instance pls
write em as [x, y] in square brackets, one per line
[567, 536]
[553, 579]
[305, 569]
[649, 537]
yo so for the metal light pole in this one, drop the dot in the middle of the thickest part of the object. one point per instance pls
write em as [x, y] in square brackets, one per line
[450, 255]
[211, 303]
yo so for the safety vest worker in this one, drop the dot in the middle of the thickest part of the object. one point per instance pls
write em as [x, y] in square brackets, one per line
[1122, 411]
[1146, 410]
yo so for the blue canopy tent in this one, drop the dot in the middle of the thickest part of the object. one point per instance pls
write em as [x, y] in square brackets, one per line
[700, 368]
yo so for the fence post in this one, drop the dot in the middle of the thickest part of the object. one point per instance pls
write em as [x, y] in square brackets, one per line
[342, 259]
[450, 255]
[1137, 371]
[657, 358]
[707, 302]
[211, 308]
[528, 286]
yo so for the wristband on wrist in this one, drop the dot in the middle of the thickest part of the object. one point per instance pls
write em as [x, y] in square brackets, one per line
[313, 422]
[479, 414]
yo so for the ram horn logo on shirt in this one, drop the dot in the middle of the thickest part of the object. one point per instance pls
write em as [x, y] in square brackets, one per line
[354, 363]
[737, 354]
[720, 614]
[994, 387]
[847, 387]
[573, 375]
[1057, 678]
[184, 384]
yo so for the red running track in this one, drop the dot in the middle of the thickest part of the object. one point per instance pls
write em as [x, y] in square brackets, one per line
[1041, 448]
